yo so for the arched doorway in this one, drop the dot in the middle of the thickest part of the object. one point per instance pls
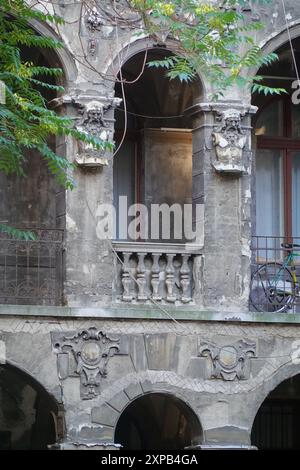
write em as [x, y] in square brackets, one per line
[277, 423]
[157, 421]
[154, 162]
[28, 414]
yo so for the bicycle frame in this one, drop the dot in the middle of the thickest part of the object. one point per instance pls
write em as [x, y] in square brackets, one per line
[288, 263]
[275, 283]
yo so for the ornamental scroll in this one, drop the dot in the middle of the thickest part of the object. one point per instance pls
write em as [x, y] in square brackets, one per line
[85, 354]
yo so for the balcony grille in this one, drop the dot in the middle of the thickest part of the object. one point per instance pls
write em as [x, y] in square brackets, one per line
[31, 272]
[275, 274]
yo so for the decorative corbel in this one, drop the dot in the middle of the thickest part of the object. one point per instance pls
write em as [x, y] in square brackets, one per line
[93, 121]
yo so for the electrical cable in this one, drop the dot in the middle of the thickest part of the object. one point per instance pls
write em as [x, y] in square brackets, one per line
[150, 117]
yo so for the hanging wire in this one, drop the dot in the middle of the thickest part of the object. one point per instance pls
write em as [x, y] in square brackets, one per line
[150, 117]
[290, 41]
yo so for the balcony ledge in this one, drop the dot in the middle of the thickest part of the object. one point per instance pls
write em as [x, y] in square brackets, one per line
[153, 247]
[118, 312]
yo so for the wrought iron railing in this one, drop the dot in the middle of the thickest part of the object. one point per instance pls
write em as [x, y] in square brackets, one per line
[275, 274]
[31, 272]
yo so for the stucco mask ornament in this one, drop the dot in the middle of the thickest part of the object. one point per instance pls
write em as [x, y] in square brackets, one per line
[92, 122]
[229, 141]
[94, 20]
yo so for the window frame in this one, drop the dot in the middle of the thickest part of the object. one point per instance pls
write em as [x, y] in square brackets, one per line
[288, 145]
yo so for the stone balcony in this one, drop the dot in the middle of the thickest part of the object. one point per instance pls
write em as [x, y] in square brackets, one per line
[155, 272]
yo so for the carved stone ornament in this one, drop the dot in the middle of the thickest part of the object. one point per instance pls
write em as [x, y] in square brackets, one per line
[86, 354]
[229, 362]
[92, 121]
[108, 13]
[229, 141]
[94, 20]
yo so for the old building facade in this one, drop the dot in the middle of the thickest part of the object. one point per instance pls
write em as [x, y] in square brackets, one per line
[153, 344]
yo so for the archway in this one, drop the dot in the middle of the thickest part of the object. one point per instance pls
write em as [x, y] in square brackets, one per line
[277, 134]
[277, 423]
[157, 421]
[28, 414]
[154, 161]
[276, 186]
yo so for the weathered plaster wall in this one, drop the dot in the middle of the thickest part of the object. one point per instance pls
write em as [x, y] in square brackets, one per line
[227, 198]
[156, 356]
[89, 262]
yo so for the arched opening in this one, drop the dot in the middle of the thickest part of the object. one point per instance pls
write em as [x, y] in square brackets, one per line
[277, 423]
[276, 187]
[157, 421]
[32, 272]
[28, 414]
[154, 163]
[277, 133]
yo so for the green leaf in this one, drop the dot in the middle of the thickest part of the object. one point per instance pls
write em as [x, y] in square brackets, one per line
[17, 233]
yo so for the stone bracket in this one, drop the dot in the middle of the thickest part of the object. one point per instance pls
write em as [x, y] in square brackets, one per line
[229, 141]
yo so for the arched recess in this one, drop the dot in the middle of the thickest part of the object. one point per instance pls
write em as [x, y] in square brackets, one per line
[30, 418]
[277, 422]
[157, 421]
[135, 46]
[155, 133]
[33, 274]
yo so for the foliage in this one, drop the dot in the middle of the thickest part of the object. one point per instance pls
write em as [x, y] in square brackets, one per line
[25, 121]
[214, 36]
[16, 233]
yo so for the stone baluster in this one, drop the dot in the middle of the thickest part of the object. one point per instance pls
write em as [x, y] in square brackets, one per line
[141, 277]
[170, 278]
[155, 277]
[185, 279]
[128, 293]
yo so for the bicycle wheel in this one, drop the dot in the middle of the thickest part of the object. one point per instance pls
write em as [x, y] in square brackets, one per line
[272, 288]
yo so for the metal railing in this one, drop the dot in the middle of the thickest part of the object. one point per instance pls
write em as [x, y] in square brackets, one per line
[31, 272]
[275, 274]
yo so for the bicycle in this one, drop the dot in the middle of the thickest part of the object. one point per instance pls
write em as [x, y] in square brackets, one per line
[274, 285]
